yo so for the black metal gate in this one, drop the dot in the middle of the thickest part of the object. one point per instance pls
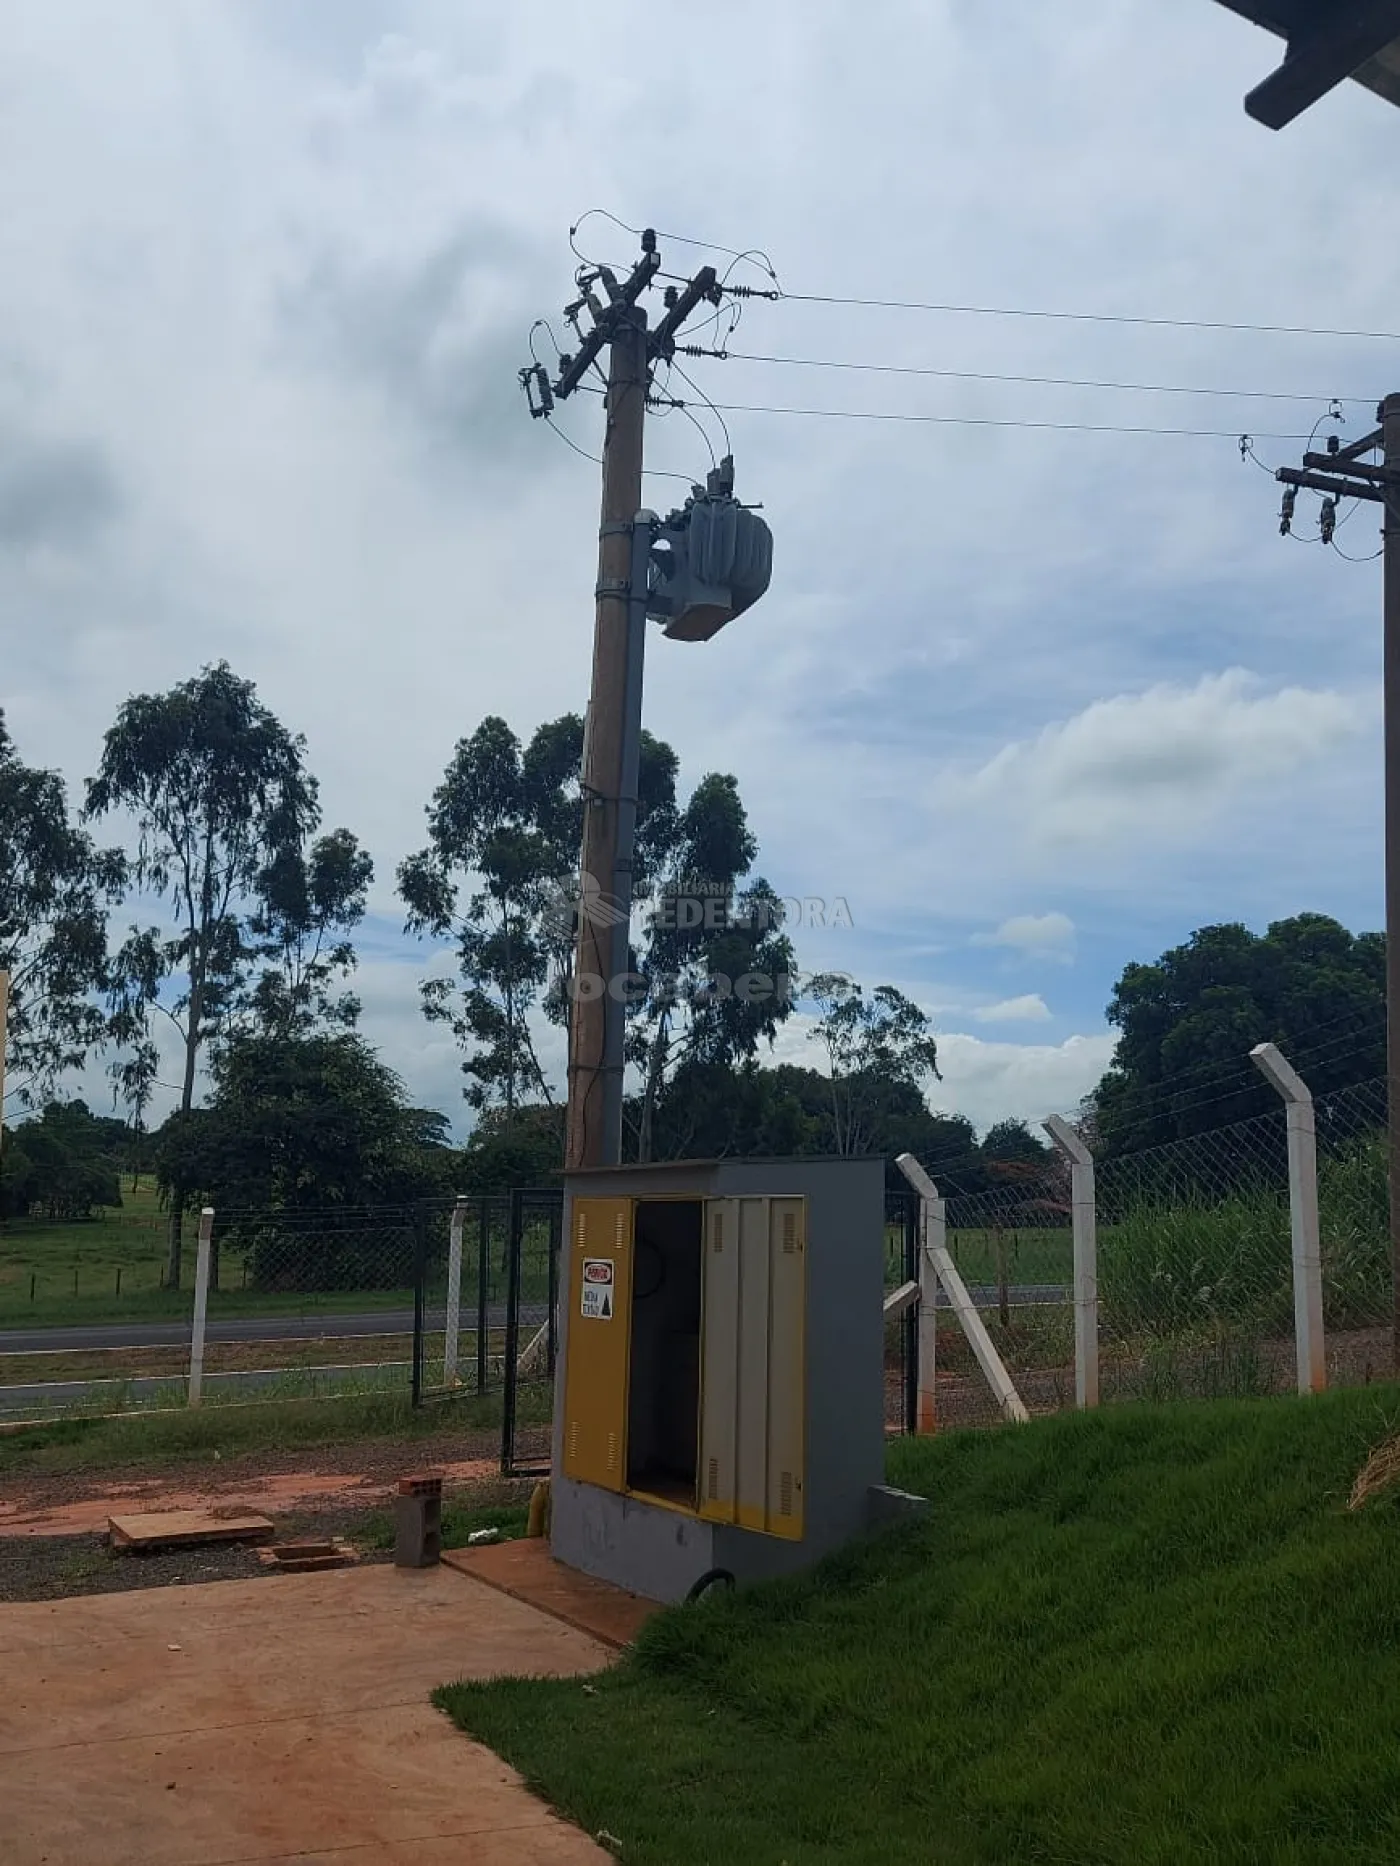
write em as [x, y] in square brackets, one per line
[485, 1309]
[534, 1230]
[902, 1335]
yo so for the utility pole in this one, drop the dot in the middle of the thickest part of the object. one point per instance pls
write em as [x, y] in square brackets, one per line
[1342, 473]
[611, 752]
[612, 731]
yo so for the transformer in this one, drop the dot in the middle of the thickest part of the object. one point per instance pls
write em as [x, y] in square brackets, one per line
[710, 561]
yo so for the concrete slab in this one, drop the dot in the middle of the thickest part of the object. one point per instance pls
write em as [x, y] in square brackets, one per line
[247, 1722]
[527, 1571]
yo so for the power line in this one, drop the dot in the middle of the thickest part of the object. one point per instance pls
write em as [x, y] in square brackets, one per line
[686, 479]
[1085, 317]
[989, 421]
[1058, 382]
[762, 260]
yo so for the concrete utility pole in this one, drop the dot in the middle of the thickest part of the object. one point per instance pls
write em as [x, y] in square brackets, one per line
[1342, 473]
[611, 750]
[730, 571]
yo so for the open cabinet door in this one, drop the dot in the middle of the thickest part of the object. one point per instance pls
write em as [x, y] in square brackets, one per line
[599, 1295]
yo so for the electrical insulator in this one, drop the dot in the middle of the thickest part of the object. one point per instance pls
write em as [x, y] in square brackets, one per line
[1328, 520]
[1285, 520]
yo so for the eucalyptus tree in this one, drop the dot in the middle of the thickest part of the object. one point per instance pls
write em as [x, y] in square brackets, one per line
[55, 889]
[219, 795]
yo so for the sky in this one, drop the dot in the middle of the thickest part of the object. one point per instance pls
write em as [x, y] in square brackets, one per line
[1033, 701]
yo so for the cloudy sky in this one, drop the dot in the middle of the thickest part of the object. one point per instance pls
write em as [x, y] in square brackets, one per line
[1033, 701]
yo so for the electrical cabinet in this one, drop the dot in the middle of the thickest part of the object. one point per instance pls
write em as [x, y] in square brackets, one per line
[685, 1378]
[720, 1381]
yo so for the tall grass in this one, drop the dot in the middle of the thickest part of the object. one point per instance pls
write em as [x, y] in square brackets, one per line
[1186, 1269]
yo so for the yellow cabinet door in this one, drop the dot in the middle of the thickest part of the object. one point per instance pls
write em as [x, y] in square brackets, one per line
[599, 1297]
[753, 1371]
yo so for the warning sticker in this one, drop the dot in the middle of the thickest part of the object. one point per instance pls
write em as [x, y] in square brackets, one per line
[597, 1299]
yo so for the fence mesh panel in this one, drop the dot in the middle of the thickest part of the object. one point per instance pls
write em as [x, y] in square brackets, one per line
[312, 1304]
[1195, 1276]
[1012, 1246]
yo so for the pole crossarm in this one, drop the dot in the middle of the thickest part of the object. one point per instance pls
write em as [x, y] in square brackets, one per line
[1361, 469]
[705, 285]
[1323, 482]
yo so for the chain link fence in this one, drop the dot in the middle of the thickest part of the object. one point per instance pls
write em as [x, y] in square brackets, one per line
[1194, 1267]
[1013, 1249]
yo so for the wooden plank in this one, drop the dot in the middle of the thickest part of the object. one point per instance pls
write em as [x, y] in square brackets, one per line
[174, 1529]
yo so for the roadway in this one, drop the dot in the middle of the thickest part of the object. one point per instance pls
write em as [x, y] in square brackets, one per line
[314, 1326]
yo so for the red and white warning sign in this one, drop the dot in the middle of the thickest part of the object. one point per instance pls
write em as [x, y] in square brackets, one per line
[596, 1302]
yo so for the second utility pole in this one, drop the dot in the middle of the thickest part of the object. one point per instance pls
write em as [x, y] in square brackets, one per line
[1341, 473]
[1390, 442]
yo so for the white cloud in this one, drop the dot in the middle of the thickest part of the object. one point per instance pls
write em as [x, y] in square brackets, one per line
[266, 297]
[991, 1082]
[1158, 763]
[1035, 936]
[1030, 1009]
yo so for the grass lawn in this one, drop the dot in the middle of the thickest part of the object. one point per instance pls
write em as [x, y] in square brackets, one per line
[1145, 1635]
[111, 1268]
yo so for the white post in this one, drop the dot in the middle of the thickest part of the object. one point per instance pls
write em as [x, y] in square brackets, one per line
[201, 1303]
[1086, 1259]
[946, 1272]
[454, 1291]
[1303, 1218]
[933, 1235]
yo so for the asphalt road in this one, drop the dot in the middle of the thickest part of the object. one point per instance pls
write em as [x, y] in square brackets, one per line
[55, 1395]
[59, 1393]
[313, 1327]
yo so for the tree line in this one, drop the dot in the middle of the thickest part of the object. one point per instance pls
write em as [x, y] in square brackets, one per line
[244, 950]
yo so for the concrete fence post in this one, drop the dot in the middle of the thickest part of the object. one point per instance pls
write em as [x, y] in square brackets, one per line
[1304, 1223]
[201, 1303]
[933, 1236]
[1084, 1220]
[454, 1291]
[942, 1269]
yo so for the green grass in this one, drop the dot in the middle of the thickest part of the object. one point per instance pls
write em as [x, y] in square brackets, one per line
[1146, 1636]
[1034, 1254]
[110, 1268]
[179, 1436]
[459, 1521]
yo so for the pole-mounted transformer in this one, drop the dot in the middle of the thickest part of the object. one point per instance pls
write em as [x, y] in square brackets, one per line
[710, 561]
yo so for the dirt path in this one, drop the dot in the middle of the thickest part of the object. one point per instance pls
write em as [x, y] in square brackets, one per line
[47, 1507]
[357, 1474]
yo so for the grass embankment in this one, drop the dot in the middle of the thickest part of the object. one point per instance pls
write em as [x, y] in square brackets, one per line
[1146, 1636]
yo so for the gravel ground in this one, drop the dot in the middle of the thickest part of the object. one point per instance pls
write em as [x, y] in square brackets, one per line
[53, 1567]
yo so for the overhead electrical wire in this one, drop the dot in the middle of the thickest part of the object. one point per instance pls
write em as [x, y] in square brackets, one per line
[988, 421]
[1087, 317]
[1057, 382]
[949, 309]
